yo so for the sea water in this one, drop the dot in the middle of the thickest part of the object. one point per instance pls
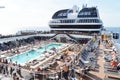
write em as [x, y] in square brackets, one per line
[114, 30]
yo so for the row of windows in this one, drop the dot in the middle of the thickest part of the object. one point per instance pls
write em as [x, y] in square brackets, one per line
[88, 21]
[88, 12]
[93, 15]
[62, 14]
[68, 21]
[78, 21]
[85, 13]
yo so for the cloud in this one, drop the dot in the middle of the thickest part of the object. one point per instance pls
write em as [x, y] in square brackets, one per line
[19, 14]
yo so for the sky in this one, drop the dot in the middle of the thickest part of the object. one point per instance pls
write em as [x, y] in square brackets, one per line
[35, 14]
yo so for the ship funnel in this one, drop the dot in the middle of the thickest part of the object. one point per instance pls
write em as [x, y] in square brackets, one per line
[75, 9]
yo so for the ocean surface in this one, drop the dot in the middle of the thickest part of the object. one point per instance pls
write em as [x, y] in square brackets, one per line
[114, 30]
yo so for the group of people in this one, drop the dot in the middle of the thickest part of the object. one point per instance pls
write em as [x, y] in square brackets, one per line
[114, 62]
[10, 69]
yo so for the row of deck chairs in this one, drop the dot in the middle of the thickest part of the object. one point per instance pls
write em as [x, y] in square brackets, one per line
[86, 57]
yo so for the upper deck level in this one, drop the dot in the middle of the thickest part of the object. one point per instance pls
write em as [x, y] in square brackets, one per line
[85, 12]
[86, 18]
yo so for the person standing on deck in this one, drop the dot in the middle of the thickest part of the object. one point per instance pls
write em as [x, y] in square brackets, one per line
[11, 70]
[19, 71]
[118, 67]
[65, 71]
[72, 74]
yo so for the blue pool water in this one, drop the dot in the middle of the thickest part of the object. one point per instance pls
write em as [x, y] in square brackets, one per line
[24, 57]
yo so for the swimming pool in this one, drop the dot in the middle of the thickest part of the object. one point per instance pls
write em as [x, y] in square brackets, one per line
[24, 57]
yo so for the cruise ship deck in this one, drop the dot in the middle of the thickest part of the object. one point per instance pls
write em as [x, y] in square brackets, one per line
[74, 49]
[85, 56]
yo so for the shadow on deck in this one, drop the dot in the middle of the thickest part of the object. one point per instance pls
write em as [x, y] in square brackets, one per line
[94, 77]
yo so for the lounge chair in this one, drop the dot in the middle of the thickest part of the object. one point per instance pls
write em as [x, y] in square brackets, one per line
[34, 63]
[51, 63]
[53, 76]
[44, 66]
[41, 58]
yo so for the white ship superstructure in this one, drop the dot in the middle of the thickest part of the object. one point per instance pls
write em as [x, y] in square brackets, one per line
[84, 20]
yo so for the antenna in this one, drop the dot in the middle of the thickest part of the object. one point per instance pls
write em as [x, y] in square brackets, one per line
[86, 1]
[85, 4]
